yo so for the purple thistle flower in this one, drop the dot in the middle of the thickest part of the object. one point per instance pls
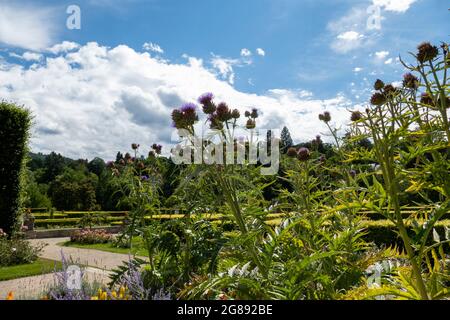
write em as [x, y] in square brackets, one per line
[206, 98]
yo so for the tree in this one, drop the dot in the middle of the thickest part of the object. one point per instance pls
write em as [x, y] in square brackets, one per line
[286, 140]
[54, 165]
[97, 166]
[15, 123]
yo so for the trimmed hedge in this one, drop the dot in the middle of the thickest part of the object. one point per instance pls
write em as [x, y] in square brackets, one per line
[15, 124]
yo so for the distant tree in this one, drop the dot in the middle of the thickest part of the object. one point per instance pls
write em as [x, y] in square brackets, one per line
[286, 140]
[53, 166]
[97, 166]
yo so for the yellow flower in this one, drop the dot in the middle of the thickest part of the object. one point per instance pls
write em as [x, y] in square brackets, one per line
[10, 296]
[114, 294]
[94, 298]
[104, 296]
[122, 291]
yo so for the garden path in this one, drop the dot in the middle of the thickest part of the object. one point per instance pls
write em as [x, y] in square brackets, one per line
[99, 265]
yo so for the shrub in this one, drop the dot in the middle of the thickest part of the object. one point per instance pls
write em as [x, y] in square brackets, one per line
[88, 236]
[15, 123]
[16, 251]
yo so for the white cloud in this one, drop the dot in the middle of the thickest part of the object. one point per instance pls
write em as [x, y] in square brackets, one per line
[150, 46]
[381, 54]
[65, 46]
[388, 61]
[26, 26]
[357, 69]
[349, 36]
[32, 56]
[96, 100]
[225, 67]
[260, 52]
[245, 52]
[347, 41]
[394, 5]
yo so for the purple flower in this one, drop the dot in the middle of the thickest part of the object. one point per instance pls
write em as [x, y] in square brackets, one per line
[206, 98]
[144, 178]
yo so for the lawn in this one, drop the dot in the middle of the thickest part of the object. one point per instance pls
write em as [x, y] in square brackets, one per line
[137, 248]
[40, 266]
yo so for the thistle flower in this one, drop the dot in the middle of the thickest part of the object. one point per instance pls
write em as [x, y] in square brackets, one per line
[206, 98]
[247, 114]
[134, 146]
[426, 52]
[206, 101]
[325, 117]
[352, 173]
[223, 113]
[356, 116]
[185, 117]
[235, 114]
[157, 148]
[377, 99]
[322, 158]
[122, 162]
[378, 85]
[189, 113]
[141, 165]
[426, 99]
[127, 156]
[254, 113]
[292, 152]
[389, 89]
[303, 154]
[251, 124]
[410, 81]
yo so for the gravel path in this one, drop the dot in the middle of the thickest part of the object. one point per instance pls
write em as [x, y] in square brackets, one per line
[93, 258]
[99, 265]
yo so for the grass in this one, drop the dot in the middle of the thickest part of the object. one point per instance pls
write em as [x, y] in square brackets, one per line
[137, 248]
[40, 266]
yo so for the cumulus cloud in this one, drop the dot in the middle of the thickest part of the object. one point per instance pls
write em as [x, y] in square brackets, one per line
[153, 47]
[260, 52]
[245, 52]
[62, 47]
[95, 100]
[381, 54]
[394, 5]
[27, 56]
[357, 69]
[26, 26]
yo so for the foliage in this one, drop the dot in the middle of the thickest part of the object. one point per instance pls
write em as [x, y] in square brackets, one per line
[16, 251]
[15, 123]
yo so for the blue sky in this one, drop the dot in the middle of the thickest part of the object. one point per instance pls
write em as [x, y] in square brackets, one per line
[316, 54]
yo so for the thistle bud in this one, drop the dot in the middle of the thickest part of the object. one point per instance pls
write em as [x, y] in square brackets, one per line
[134, 146]
[410, 81]
[377, 99]
[356, 116]
[235, 114]
[254, 113]
[251, 124]
[426, 99]
[292, 152]
[426, 52]
[378, 85]
[303, 154]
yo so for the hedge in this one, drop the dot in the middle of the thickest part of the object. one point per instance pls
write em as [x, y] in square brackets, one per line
[15, 123]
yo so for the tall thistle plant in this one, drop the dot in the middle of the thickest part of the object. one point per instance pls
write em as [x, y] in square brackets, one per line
[232, 183]
[410, 134]
[140, 181]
